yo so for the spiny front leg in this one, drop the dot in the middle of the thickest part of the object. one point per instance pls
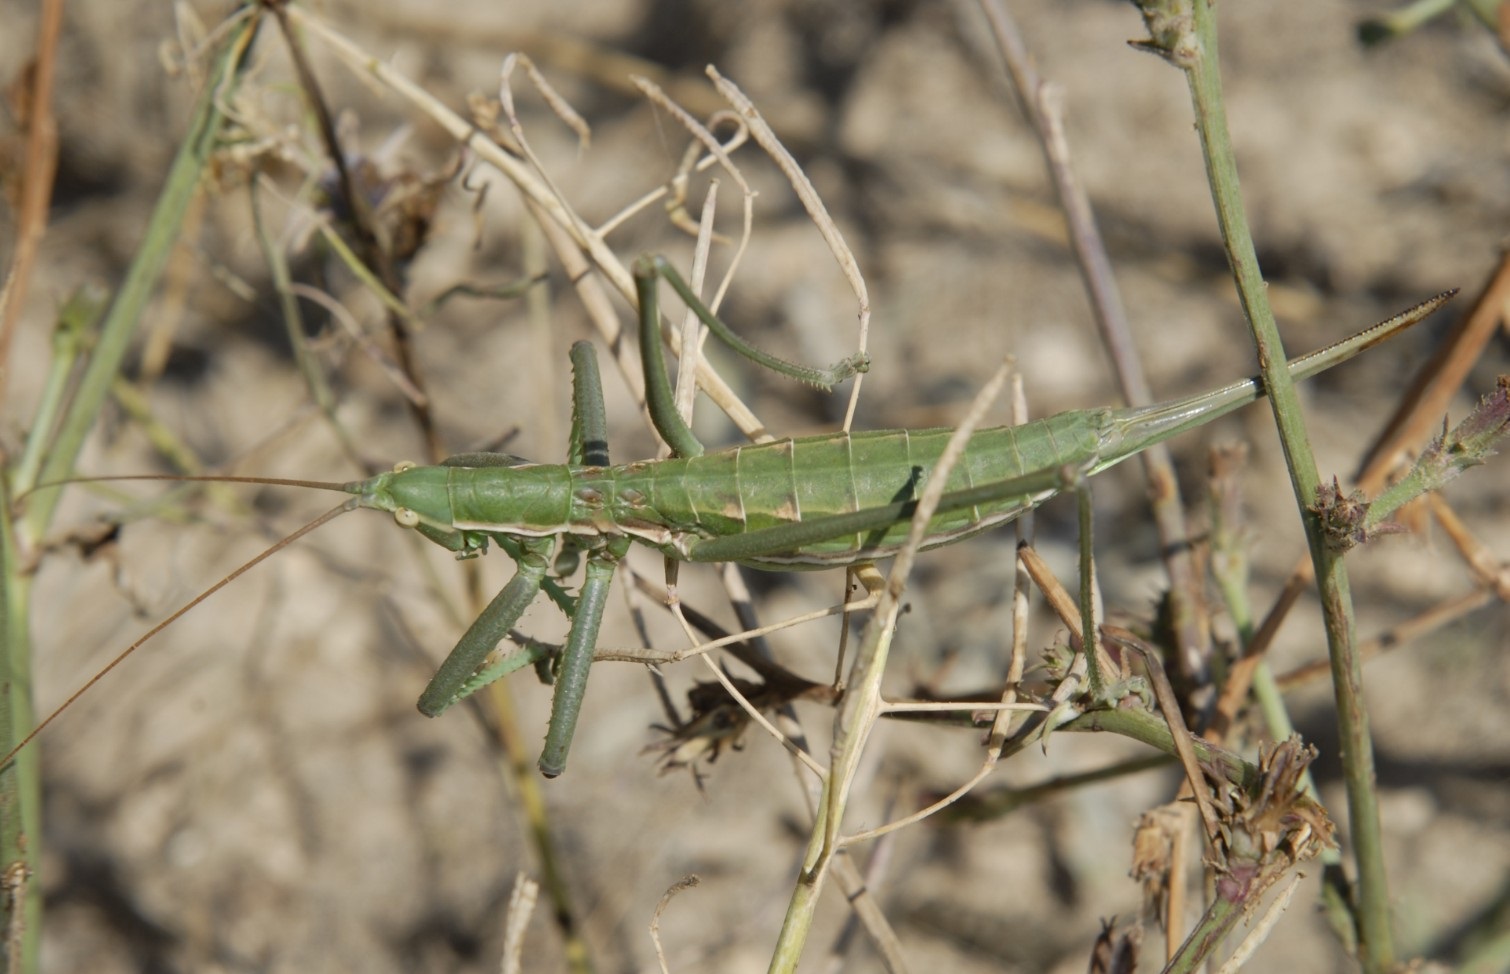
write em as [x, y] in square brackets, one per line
[458, 676]
[576, 658]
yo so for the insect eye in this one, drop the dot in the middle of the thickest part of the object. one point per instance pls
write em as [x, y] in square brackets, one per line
[403, 465]
[406, 518]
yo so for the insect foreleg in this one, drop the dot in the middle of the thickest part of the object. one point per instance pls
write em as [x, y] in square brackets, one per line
[552, 588]
[455, 678]
[589, 446]
[576, 658]
[459, 676]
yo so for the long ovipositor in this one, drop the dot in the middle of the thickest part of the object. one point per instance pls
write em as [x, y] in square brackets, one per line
[852, 489]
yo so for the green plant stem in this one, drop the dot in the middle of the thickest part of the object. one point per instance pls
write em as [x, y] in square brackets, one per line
[293, 321]
[1184, 31]
[1198, 948]
[48, 458]
[20, 781]
[71, 337]
[1376, 937]
[141, 280]
[1149, 728]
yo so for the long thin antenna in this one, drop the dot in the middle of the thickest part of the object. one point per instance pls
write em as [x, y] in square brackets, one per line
[201, 479]
[261, 557]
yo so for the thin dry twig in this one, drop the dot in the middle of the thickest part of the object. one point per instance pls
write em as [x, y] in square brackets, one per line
[530, 186]
[522, 901]
[1043, 103]
[766, 137]
[37, 175]
[1261, 930]
[1169, 705]
[687, 882]
[896, 580]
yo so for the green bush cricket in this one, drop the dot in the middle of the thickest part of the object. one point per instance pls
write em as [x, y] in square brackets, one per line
[825, 501]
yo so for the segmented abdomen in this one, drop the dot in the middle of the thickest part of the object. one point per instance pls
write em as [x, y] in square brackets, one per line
[758, 486]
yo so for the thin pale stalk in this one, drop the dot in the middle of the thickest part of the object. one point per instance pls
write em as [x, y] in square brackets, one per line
[691, 328]
[1089, 641]
[466, 133]
[1021, 586]
[852, 727]
[763, 134]
[293, 321]
[519, 767]
[862, 700]
[1041, 102]
[371, 245]
[544, 429]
